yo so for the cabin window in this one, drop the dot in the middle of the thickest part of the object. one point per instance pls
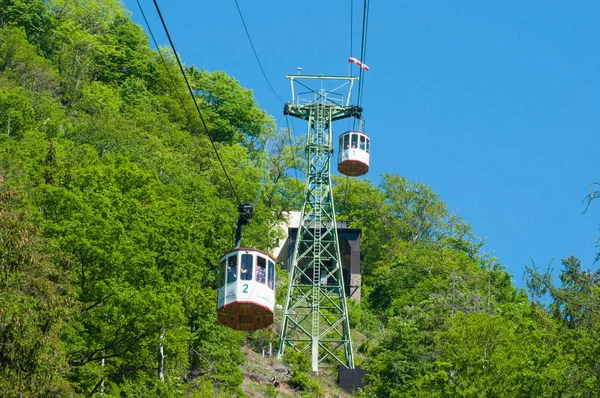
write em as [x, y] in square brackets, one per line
[368, 145]
[222, 269]
[346, 141]
[271, 275]
[354, 140]
[246, 268]
[261, 270]
[232, 269]
[362, 142]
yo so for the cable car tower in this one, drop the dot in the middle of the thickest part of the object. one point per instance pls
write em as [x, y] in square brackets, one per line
[315, 315]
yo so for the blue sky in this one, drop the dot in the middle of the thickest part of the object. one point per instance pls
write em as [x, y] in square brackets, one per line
[494, 104]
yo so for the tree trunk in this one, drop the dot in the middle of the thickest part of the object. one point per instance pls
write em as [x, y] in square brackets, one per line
[161, 357]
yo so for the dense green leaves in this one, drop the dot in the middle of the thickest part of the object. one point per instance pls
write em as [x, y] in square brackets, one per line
[450, 323]
[114, 212]
[575, 309]
[126, 213]
[36, 305]
[229, 109]
[32, 15]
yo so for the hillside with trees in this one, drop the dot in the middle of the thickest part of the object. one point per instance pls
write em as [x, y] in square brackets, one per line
[114, 211]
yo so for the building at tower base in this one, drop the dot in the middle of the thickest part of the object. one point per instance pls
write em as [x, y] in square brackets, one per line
[349, 239]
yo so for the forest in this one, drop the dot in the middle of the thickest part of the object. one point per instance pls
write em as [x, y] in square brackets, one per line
[114, 211]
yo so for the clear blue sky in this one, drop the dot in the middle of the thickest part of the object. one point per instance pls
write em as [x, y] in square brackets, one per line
[494, 104]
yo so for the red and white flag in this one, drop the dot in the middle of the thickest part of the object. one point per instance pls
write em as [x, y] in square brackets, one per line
[357, 62]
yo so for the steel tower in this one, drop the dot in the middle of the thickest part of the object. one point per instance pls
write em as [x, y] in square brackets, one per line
[315, 314]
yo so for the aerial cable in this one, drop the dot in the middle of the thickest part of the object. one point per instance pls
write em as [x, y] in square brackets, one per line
[363, 47]
[351, 33]
[363, 53]
[255, 53]
[351, 49]
[295, 163]
[164, 61]
[268, 157]
[267, 80]
[290, 139]
[208, 133]
[264, 177]
[289, 130]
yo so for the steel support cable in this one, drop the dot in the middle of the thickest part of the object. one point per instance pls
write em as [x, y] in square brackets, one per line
[293, 150]
[268, 157]
[363, 54]
[164, 61]
[294, 161]
[270, 86]
[351, 47]
[363, 48]
[264, 177]
[351, 33]
[255, 53]
[208, 133]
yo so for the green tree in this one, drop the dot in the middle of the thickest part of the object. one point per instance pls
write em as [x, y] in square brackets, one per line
[574, 306]
[36, 305]
[593, 195]
[20, 62]
[229, 109]
[32, 15]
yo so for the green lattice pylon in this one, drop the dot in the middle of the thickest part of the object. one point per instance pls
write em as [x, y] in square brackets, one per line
[315, 315]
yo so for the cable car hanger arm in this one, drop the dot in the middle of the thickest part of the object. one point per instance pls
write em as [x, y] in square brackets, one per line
[246, 212]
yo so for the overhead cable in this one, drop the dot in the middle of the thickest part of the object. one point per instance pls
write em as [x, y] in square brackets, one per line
[351, 33]
[164, 61]
[363, 53]
[255, 53]
[208, 133]
[363, 47]
[292, 147]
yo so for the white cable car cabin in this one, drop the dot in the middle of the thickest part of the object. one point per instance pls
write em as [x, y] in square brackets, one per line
[246, 289]
[354, 153]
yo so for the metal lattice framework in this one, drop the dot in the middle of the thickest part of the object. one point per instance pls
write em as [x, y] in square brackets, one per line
[315, 316]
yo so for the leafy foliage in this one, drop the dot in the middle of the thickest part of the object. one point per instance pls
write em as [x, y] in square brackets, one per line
[299, 365]
[114, 212]
[449, 322]
[126, 212]
[36, 305]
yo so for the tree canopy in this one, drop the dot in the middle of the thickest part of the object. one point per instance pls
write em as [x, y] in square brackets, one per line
[114, 211]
